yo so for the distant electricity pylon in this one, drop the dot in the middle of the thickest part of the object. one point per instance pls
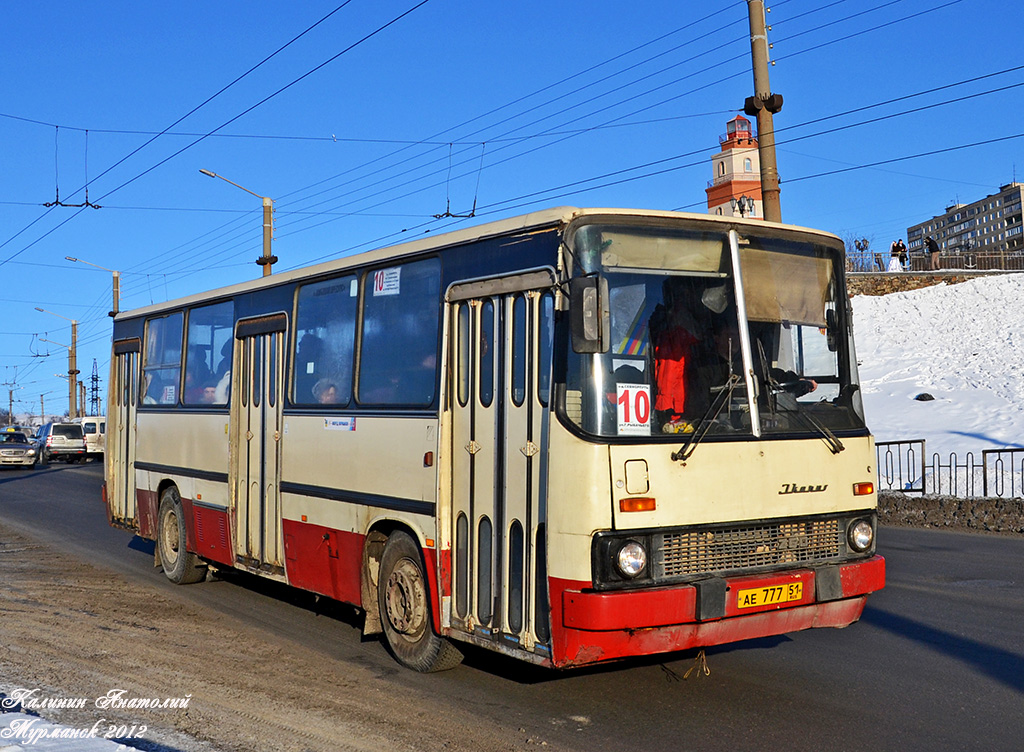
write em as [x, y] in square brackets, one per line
[94, 390]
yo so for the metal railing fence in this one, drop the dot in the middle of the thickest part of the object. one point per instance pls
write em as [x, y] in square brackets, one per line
[905, 466]
[874, 261]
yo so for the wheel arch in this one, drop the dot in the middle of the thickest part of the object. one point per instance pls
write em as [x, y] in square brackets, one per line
[186, 511]
[373, 549]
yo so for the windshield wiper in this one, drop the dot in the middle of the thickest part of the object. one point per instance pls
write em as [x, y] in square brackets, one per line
[779, 394]
[712, 413]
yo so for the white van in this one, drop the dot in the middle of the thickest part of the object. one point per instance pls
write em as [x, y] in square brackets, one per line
[95, 430]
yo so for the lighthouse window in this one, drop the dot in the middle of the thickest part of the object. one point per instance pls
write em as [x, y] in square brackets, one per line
[747, 165]
[721, 168]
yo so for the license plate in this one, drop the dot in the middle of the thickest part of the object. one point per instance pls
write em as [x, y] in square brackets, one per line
[770, 595]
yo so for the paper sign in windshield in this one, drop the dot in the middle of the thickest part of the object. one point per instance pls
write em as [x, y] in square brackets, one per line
[387, 281]
[633, 409]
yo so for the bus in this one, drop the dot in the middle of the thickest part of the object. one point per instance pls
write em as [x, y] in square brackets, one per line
[573, 436]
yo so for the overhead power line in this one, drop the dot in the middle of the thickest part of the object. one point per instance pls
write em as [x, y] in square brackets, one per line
[176, 122]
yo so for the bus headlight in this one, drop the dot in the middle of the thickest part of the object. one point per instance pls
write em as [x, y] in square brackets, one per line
[861, 535]
[631, 559]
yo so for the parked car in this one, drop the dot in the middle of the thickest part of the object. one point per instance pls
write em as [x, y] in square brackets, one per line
[29, 431]
[16, 450]
[95, 429]
[64, 441]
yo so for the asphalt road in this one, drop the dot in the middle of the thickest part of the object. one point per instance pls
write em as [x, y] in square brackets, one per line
[936, 663]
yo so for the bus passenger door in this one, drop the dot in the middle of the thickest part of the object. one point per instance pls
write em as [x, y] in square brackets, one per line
[120, 451]
[256, 432]
[500, 358]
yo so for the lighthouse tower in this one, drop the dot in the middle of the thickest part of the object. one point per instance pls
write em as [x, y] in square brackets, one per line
[735, 190]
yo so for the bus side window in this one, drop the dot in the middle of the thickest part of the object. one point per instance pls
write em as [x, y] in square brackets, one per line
[545, 336]
[324, 342]
[161, 368]
[208, 354]
[398, 347]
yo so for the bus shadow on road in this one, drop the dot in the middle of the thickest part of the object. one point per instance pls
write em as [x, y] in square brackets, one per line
[999, 664]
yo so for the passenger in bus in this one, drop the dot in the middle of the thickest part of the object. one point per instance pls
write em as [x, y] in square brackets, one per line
[222, 391]
[225, 360]
[156, 391]
[325, 392]
[198, 378]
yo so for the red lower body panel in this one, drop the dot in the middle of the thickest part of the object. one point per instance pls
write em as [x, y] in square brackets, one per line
[590, 626]
[323, 560]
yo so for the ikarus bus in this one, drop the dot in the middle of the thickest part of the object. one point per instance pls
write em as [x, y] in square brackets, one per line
[574, 436]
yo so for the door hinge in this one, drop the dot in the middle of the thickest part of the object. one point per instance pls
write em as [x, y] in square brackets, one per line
[530, 449]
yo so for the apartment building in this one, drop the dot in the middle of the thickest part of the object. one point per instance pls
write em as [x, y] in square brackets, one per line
[992, 224]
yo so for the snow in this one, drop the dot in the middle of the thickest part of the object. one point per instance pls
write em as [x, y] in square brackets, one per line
[963, 344]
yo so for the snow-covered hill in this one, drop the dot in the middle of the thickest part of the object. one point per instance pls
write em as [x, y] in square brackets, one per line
[964, 345]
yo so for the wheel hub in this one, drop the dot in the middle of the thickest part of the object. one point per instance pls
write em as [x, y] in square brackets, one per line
[405, 598]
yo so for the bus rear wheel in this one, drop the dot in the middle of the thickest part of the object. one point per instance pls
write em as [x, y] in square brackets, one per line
[404, 604]
[180, 566]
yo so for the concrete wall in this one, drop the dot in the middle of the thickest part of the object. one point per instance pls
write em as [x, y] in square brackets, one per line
[872, 283]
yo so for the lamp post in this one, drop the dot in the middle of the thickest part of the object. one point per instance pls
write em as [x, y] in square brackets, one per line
[117, 282]
[744, 204]
[42, 407]
[267, 260]
[72, 362]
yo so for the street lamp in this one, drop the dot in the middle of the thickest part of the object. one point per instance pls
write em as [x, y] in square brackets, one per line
[117, 282]
[745, 204]
[72, 362]
[267, 260]
[42, 407]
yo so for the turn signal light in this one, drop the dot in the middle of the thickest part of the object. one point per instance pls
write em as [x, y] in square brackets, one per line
[637, 504]
[863, 489]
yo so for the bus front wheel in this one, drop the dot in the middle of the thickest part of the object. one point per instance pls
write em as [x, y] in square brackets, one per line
[179, 565]
[404, 603]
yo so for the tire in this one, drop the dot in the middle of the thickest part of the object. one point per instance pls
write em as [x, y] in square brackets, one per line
[404, 606]
[180, 566]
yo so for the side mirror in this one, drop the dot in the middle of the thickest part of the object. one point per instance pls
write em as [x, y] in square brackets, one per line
[831, 330]
[589, 320]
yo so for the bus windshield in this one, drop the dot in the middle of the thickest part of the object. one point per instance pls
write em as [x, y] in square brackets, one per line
[695, 345]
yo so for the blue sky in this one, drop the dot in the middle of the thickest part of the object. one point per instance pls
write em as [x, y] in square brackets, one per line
[372, 122]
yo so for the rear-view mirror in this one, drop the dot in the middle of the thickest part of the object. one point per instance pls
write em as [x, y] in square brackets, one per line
[588, 314]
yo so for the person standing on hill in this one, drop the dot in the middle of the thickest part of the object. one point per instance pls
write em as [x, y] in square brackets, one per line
[933, 253]
[894, 258]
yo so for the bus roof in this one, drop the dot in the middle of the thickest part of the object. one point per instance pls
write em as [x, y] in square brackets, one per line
[546, 218]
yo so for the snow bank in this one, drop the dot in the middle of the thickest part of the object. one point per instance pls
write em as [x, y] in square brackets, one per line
[964, 345]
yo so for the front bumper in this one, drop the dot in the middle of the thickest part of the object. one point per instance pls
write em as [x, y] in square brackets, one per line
[591, 626]
[17, 461]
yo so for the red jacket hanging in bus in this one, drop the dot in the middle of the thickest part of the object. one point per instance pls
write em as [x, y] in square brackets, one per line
[673, 343]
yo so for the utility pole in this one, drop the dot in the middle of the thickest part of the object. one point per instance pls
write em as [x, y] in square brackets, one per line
[763, 105]
[72, 362]
[73, 371]
[81, 399]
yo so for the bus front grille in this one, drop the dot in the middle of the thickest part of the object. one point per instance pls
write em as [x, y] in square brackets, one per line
[768, 544]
